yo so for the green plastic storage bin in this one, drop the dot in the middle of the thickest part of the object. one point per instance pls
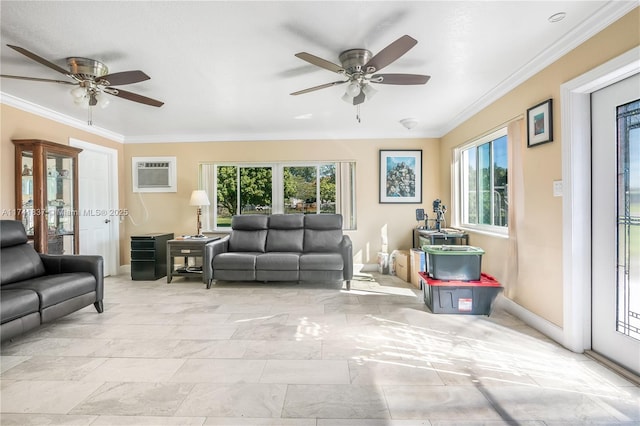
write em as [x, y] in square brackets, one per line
[453, 262]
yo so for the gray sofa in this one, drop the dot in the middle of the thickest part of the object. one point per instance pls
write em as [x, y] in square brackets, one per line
[39, 288]
[283, 247]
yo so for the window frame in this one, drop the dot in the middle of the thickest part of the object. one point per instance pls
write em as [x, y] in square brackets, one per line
[460, 190]
[277, 188]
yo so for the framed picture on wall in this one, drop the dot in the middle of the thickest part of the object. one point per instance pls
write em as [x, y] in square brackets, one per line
[401, 176]
[540, 124]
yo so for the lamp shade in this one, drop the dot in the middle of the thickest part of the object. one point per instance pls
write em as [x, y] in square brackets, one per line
[369, 91]
[199, 198]
[353, 89]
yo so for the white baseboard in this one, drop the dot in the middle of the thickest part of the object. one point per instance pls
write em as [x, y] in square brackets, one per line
[542, 325]
[365, 267]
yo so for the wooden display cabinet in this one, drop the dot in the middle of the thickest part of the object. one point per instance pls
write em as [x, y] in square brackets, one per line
[47, 194]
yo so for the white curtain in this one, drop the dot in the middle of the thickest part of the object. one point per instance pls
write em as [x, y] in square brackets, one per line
[207, 183]
[515, 192]
[345, 193]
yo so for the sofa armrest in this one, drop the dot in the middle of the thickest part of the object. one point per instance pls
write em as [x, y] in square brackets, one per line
[60, 264]
[346, 248]
[215, 248]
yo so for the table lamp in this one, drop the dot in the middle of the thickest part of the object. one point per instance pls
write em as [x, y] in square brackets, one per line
[199, 198]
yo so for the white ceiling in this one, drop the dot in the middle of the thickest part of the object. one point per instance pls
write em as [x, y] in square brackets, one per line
[225, 68]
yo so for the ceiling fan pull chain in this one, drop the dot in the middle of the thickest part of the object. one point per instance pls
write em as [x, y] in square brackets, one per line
[89, 116]
[358, 113]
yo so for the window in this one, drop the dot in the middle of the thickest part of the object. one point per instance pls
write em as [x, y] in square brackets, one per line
[277, 188]
[482, 182]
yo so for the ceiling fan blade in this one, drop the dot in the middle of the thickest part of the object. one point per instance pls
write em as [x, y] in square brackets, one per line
[125, 77]
[134, 97]
[390, 53]
[322, 63]
[40, 60]
[357, 100]
[46, 80]
[402, 79]
[322, 86]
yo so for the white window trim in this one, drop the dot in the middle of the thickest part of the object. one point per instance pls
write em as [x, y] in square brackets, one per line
[493, 230]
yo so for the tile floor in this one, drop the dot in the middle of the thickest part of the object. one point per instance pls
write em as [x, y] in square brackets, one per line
[298, 355]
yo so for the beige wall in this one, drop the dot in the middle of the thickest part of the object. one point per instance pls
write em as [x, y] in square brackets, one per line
[539, 286]
[170, 212]
[18, 124]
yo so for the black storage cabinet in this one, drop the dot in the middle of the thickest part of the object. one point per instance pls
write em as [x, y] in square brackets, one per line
[149, 256]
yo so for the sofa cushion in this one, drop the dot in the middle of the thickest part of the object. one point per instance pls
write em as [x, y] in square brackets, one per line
[54, 289]
[250, 222]
[322, 241]
[285, 233]
[323, 221]
[18, 263]
[285, 240]
[321, 262]
[286, 221]
[17, 303]
[277, 261]
[248, 241]
[249, 233]
[12, 233]
[235, 260]
[323, 232]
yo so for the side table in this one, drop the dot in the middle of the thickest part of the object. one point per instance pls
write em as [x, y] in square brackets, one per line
[186, 248]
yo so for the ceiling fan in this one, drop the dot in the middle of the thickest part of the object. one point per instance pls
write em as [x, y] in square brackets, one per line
[359, 66]
[92, 79]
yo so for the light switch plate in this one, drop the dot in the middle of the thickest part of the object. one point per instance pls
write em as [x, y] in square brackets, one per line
[557, 188]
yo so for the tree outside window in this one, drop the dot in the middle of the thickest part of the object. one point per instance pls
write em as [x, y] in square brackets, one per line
[308, 189]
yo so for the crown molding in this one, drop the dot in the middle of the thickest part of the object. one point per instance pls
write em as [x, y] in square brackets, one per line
[588, 28]
[248, 137]
[52, 115]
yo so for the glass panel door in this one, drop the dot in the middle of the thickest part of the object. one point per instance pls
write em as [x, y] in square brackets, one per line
[628, 284]
[615, 171]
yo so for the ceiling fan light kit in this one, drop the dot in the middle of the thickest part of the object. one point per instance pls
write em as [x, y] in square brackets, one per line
[92, 79]
[359, 66]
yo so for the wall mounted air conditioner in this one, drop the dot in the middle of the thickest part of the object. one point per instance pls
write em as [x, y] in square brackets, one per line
[154, 174]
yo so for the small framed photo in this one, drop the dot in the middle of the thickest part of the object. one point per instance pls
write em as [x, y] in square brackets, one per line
[401, 176]
[540, 124]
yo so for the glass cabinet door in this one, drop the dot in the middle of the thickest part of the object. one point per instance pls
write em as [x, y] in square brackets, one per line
[26, 209]
[60, 211]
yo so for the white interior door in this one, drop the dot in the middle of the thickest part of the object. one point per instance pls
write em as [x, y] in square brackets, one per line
[616, 222]
[98, 207]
